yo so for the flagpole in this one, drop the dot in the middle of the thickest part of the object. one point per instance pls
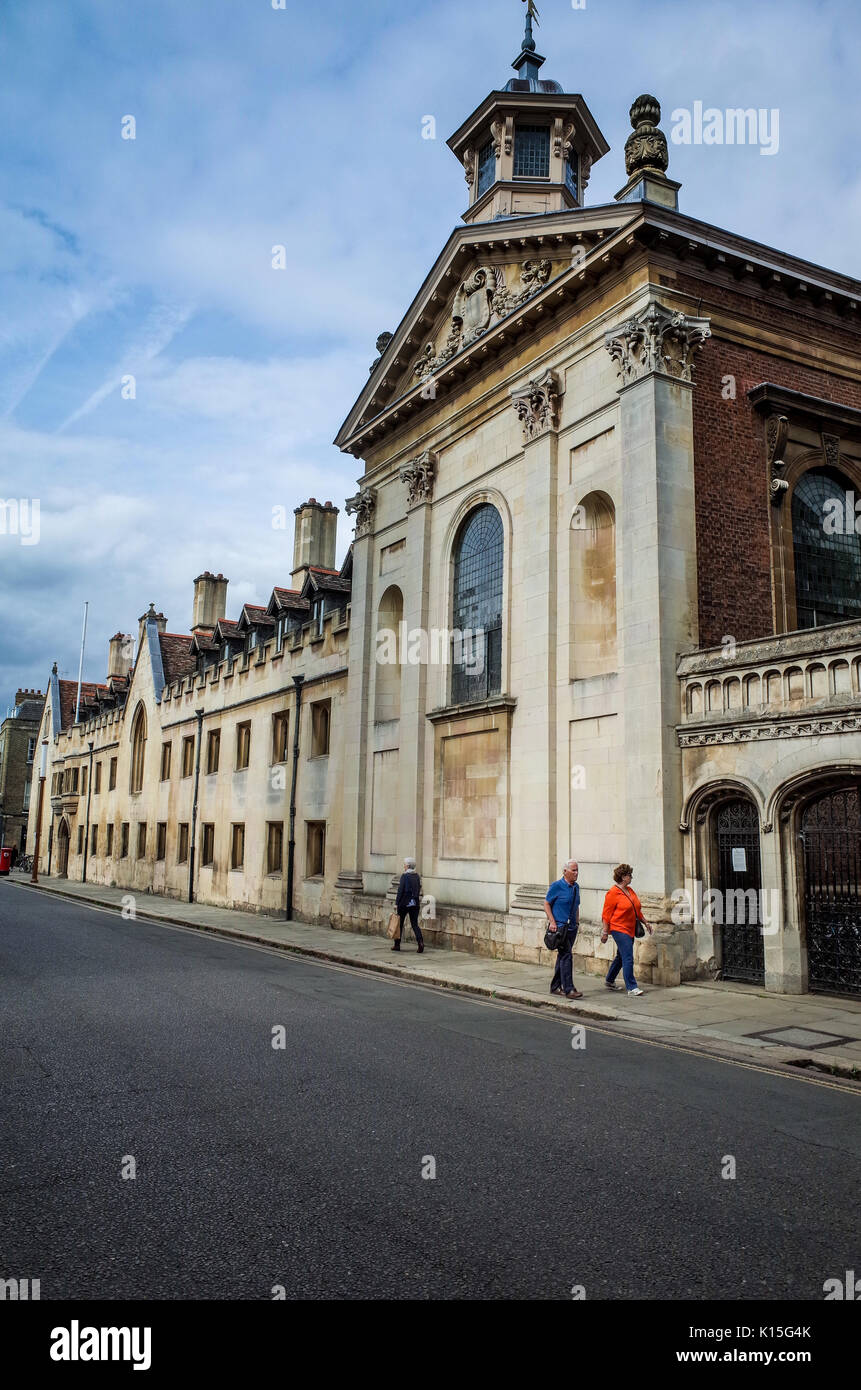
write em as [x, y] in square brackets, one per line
[81, 662]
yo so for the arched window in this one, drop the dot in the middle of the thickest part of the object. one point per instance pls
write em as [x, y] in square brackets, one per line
[138, 750]
[827, 550]
[477, 607]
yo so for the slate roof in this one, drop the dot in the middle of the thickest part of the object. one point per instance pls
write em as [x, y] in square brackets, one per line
[69, 696]
[177, 656]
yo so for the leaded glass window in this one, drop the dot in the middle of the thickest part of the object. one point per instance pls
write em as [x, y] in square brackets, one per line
[827, 550]
[486, 167]
[571, 175]
[477, 608]
[532, 152]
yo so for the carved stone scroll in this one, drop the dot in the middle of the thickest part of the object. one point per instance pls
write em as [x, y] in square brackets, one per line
[536, 405]
[419, 475]
[657, 340]
[363, 505]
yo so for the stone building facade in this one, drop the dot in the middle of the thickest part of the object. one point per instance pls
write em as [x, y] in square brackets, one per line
[18, 756]
[592, 606]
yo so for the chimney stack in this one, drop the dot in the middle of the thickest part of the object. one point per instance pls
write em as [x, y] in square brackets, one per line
[314, 538]
[121, 652]
[210, 600]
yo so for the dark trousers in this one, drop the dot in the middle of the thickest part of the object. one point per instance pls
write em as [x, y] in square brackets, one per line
[413, 914]
[563, 975]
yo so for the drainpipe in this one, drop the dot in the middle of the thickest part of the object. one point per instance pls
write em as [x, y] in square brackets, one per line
[89, 795]
[291, 845]
[191, 853]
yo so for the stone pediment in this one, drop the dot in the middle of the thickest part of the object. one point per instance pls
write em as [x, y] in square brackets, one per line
[475, 284]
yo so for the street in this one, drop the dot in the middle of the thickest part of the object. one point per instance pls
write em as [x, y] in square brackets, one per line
[130, 1047]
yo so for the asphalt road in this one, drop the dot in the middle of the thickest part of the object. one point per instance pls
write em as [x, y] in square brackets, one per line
[302, 1166]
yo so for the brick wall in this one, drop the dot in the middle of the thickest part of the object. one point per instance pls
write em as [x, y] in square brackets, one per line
[732, 504]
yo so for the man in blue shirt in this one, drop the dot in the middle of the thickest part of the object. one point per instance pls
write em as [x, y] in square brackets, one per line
[562, 904]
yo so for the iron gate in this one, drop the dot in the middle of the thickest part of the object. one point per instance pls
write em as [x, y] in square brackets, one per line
[740, 883]
[831, 836]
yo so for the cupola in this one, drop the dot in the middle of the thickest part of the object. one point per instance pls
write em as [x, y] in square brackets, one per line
[529, 148]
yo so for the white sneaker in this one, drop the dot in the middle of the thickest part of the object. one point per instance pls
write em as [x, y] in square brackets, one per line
[636, 991]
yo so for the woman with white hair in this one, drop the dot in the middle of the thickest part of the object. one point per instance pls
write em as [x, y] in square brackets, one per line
[407, 903]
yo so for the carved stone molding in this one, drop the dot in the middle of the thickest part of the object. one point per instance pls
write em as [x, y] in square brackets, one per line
[755, 733]
[469, 165]
[831, 450]
[657, 340]
[481, 300]
[419, 476]
[536, 405]
[364, 505]
[776, 435]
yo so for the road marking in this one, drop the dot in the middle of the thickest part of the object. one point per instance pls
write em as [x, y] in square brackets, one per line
[510, 1006]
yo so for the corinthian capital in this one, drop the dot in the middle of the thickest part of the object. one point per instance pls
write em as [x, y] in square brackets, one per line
[656, 340]
[536, 404]
[419, 475]
[364, 505]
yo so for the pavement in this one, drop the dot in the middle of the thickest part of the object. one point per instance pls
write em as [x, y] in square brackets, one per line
[190, 1117]
[820, 1032]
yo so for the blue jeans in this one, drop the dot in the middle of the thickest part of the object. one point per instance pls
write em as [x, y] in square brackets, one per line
[624, 959]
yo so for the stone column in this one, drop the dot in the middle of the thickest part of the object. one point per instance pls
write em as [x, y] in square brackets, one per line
[355, 734]
[532, 605]
[658, 609]
[418, 476]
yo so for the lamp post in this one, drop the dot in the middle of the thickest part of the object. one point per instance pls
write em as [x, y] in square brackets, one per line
[43, 767]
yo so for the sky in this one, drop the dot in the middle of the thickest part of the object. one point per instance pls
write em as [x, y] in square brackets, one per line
[302, 126]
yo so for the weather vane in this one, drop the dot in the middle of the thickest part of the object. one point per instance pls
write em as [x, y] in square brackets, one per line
[531, 10]
[531, 13]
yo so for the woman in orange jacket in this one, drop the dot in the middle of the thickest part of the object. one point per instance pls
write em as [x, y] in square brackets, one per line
[622, 912]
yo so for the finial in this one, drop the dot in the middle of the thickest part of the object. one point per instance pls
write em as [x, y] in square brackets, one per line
[54, 669]
[528, 44]
[647, 147]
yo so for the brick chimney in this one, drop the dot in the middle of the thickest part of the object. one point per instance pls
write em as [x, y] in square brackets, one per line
[314, 538]
[121, 654]
[210, 600]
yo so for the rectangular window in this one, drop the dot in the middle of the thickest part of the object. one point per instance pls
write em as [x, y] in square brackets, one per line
[182, 844]
[124, 840]
[109, 847]
[237, 846]
[27, 796]
[94, 839]
[80, 839]
[112, 775]
[213, 750]
[274, 847]
[486, 168]
[83, 781]
[571, 174]
[207, 854]
[31, 749]
[188, 755]
[532, 152]
[321, 712]
[315, 849]
[280, 736]
[75, 780]
[243, 745]
[142, 840]
[161, 840]
[97, 779]
[165, 762]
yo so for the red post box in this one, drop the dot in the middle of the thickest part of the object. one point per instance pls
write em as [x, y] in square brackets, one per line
[5, 860]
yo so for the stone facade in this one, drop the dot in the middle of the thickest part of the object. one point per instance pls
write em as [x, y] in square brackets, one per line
[626, 401]
[19, 755]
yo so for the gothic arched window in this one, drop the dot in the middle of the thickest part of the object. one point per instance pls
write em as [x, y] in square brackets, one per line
[477, 607]
[827, 550]
[138, 750]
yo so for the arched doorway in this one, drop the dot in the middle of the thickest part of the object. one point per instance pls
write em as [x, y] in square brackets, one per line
[63, 849]
[830, 836]
[739, 879]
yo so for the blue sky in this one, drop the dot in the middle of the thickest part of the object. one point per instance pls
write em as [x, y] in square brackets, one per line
[301, 127]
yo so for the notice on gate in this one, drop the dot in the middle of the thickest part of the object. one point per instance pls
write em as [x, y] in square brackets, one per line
[739, 861]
